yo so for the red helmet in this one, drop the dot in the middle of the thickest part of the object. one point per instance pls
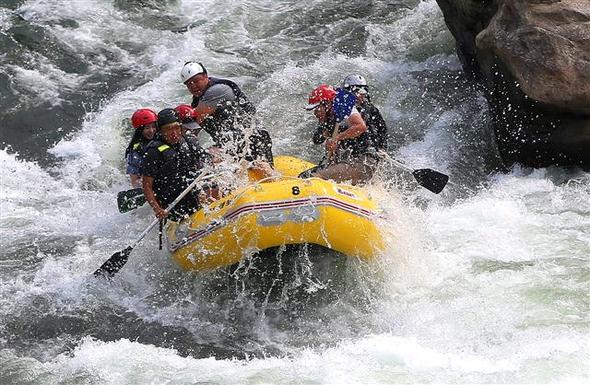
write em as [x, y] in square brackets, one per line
[185, 113]
[142, 117]
[322, 93]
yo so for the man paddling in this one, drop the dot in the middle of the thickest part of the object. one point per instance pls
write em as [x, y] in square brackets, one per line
[170, 165]
[345, 135]
[225, 113]
[376, 127]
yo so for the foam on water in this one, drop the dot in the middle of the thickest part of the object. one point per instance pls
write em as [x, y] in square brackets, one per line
[499, 257]
[372, 359]
[489, 286]
[390, 41]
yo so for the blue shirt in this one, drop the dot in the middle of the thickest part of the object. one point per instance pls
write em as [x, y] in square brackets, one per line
[135, 159]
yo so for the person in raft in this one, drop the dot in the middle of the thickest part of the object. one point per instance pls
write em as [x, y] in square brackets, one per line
[344, 132]
[144, 123]
[170, 164]
[227, 115]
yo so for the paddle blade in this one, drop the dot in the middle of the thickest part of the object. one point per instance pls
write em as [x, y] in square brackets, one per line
[130, 199]
[432, 180]
[113, 264]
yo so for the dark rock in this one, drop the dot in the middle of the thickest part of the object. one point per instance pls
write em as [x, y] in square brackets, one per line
[532, 58]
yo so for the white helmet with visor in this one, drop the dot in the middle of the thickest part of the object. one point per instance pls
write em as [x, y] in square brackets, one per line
[355, 83]
[191, 69]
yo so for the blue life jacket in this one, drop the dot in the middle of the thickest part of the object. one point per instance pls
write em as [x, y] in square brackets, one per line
[343, 104]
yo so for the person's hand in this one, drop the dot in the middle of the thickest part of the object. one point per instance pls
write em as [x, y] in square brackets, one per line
[261, 168]
[160, 213]
[216, 155]
[331, 145]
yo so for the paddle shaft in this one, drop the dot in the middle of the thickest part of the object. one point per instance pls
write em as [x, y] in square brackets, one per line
[332, 154]
[119, 259]
[401, 165]
[200, 178]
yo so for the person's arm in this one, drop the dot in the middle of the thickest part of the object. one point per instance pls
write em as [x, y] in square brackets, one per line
[216, 154]
[135, 180]
[148, 191]
[356, 126]
[213, 96]
[201, 111]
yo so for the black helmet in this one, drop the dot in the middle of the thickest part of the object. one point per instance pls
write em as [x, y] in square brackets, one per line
[167, 116]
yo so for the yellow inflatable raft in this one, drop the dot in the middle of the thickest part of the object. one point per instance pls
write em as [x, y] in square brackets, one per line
[280, 211]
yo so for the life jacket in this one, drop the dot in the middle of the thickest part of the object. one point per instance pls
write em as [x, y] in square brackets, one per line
[134, 155]
[347, 148]
[375, 125]
[181, 163]
[138, 143]
[343, 103]
[227, 122]
[140, 147]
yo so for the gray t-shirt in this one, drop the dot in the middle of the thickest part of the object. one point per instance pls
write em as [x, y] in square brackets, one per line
[217, 94]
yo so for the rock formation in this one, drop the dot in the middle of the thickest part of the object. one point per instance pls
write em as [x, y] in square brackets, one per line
[532, 58]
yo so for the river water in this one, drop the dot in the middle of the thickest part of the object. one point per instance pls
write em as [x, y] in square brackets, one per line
[487, 282]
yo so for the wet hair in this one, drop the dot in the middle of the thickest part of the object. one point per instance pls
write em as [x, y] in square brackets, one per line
[137, 137]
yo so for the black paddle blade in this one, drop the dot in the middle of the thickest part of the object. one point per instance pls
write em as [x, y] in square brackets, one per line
[113, 264]
[432, 180]
[130, 199]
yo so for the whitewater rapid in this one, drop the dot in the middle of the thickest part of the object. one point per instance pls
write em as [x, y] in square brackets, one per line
[484, 283]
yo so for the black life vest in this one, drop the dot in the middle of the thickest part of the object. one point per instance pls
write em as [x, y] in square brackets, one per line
[140, 147]
[376, 126]
[138, 143]
[352, 147]
[180, 164]
[227, 122]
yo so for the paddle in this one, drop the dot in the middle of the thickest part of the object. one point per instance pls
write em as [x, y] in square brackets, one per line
[119, 259]
[430, 179]
[130, 199]
[332, 154]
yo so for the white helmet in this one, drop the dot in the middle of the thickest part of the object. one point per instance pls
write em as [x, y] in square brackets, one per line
[354, 80]
[191, 69]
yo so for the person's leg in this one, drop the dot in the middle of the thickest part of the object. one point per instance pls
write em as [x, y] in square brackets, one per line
[261, 146]
[311, 172]
[338, 172]
[359, 171]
